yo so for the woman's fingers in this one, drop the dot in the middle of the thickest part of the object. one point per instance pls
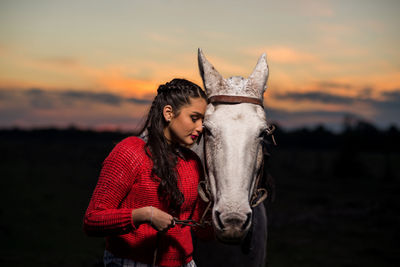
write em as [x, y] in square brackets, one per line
[161, 220]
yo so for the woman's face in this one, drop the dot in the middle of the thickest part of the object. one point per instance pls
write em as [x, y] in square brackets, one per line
[188, 125]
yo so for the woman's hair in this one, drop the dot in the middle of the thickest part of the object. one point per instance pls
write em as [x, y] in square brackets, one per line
[176, 93]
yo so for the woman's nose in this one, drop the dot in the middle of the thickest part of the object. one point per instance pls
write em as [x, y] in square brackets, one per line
[199, 126]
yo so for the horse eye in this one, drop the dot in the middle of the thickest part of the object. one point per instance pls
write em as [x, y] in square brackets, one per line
[262, 133]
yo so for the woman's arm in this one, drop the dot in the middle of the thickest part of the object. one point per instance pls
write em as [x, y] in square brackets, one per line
[103, 216]
[160, 220]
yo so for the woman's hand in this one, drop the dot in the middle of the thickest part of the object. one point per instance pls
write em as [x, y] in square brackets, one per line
[158, 219]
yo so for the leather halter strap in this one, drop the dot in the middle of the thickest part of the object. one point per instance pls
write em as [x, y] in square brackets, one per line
[231, 99]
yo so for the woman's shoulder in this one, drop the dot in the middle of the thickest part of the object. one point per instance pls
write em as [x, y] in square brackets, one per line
[130, 147]
[132, 141]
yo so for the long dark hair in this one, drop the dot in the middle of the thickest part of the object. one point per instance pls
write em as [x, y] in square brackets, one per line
[176, 93]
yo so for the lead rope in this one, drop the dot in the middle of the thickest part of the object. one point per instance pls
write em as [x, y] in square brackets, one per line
[156, 250]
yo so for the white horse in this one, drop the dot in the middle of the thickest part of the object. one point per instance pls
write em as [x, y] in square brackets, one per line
[232, 153]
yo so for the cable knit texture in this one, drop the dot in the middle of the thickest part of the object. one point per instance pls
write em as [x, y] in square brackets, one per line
[125, 184]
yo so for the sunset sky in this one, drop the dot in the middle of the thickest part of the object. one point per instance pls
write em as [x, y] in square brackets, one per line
[97, 64]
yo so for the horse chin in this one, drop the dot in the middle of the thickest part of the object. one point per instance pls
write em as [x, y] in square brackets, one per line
[231, 227]
[231, 236]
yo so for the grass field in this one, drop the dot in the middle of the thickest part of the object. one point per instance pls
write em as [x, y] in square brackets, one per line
[331, 207]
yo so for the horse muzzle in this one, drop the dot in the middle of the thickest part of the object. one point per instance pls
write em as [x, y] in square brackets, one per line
[231, 227]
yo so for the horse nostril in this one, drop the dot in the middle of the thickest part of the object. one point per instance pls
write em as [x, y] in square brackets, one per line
[246, 223]
[220, 224]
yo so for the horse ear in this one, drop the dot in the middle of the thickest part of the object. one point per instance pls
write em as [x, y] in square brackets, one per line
[211, 78]
[258, 79]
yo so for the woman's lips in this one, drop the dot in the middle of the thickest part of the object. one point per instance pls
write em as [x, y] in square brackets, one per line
[194, 136]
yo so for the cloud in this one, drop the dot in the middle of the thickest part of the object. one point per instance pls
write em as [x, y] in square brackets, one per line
[42, 108]
[393, 95]
[40, 98]
[383, 110]
[37, 107]
[335, 29]
[138, 101]
[388, 108]
[282, 54]
[315, 97]
[61, 61]
[285, 115]
[334, 85]
[130, 79]
[295, 119]
[387, 99]
[105, 98]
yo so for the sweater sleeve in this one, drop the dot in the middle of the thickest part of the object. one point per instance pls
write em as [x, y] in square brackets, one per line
[104, 217]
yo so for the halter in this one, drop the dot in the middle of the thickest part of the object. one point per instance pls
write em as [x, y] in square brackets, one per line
[233, 99]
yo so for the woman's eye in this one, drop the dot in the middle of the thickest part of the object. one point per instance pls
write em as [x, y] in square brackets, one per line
[194, 118]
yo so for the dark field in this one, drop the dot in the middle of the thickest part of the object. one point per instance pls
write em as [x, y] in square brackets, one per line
[336, 198]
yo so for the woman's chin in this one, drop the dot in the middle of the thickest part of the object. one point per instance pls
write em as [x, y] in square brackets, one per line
[189, 142]
[186, 142]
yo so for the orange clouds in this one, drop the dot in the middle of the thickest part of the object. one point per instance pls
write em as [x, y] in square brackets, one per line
[127, 86]
[289, 55]
[283, 54]
[60, 73]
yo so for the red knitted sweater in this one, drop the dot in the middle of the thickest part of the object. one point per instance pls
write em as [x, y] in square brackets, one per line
[125, 184]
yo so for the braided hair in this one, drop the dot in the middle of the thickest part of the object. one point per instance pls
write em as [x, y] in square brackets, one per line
[176, 93]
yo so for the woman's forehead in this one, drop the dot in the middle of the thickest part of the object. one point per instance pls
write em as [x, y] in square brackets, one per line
[196, 105]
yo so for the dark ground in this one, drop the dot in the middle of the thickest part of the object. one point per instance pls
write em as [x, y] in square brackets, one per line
[336, 200]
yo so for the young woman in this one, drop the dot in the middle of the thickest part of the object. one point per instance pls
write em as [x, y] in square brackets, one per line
[147, 182]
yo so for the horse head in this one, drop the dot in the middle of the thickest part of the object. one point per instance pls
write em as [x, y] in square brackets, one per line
[233, 133]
